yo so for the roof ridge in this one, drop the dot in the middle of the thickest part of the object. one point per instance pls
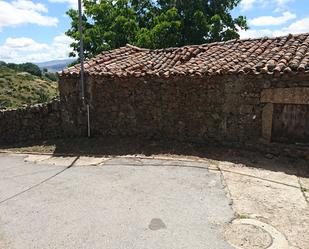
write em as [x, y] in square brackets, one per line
[220, 42]
[136, 48]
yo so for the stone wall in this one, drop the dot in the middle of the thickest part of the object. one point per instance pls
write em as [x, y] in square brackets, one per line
[220, 108]
[229, 109]
[31, 123]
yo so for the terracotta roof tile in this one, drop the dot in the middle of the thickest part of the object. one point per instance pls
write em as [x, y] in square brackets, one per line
[266, 55]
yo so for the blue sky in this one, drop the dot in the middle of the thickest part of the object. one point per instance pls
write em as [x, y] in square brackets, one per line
[33, 30]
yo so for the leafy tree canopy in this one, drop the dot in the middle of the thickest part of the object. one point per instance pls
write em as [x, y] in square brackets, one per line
[24, 67]
[110, 24]
[30, 68]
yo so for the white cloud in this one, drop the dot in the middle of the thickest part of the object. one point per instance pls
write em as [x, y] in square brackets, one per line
[23, 44]
[254, 33]
[25, 49]
[271, 20]
[71, 3]
[299, 26]
[28, 5]
[247, 4]
[278, 5]
[282, 3]
[24, 12]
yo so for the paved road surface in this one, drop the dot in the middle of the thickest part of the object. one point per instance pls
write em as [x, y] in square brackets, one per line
[121, 204]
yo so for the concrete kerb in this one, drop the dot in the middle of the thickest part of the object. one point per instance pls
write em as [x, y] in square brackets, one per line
[210, 165]
[36, 153]
[98, 155]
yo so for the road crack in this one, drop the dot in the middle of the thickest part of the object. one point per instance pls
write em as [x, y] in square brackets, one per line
[40, 183]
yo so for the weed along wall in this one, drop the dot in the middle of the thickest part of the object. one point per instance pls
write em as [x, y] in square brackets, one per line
[227, 109]
[38, 122]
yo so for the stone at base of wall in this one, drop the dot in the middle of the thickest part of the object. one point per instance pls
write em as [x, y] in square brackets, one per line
[297, 151]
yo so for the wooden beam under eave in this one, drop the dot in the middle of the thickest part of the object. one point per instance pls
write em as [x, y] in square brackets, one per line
[267, 121]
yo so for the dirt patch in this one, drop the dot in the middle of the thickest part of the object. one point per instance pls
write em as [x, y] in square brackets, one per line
[273, 197]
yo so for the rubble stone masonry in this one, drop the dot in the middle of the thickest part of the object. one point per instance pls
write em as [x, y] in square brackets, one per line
[223, 108]
[31, 123]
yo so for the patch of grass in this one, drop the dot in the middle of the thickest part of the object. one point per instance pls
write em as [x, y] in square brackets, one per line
[302, 189]
[243, 216]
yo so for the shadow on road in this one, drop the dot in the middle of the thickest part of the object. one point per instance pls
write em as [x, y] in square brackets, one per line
[116, 146]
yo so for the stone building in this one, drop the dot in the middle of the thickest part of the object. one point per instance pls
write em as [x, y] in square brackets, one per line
[235, 91]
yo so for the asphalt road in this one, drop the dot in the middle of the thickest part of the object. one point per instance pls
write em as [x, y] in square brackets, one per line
[124, 203]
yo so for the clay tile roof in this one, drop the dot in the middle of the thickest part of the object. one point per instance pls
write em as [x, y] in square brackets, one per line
[258, 56]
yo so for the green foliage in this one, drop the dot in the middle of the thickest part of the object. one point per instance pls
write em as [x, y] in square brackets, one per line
[43, 96]
[110, 24]
[30, 68]
[20, 88]
[51, 76]
[24, 67]
[74, 63]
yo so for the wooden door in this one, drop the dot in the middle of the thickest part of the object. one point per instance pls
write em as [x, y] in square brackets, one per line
[290, 123]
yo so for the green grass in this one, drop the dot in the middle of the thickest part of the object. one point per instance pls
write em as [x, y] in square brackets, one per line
[243, 216]
[18, 89]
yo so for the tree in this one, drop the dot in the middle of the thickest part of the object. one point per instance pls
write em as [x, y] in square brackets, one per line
[51, 76]
[109, 24]
[26, 67]
[30, 68]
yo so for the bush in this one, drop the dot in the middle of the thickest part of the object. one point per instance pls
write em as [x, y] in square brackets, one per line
[51, 76]
[3, 81]
[30, 68]
[42, 96]
[5, 103]
[26, 67]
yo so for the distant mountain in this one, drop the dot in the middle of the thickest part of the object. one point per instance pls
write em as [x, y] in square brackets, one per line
[55, 65]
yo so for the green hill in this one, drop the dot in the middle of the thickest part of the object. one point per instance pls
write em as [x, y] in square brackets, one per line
[21, 88]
